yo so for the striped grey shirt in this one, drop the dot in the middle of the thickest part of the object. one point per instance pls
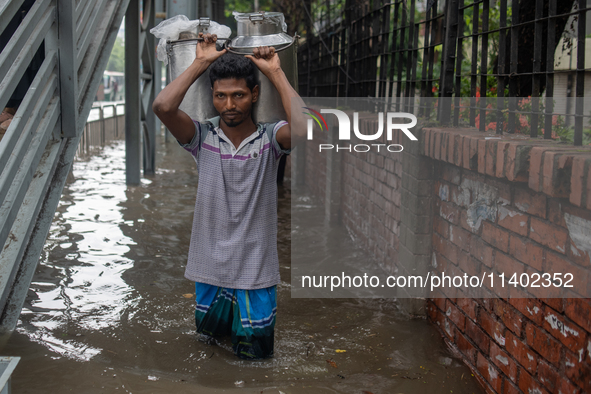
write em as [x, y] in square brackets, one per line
[234, 235]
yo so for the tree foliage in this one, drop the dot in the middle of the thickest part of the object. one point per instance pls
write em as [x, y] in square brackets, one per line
[117, 58]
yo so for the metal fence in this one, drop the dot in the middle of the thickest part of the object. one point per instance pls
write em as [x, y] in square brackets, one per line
[502, 65]
[106, 123]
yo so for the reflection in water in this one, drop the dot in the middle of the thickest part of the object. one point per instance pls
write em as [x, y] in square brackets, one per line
[109, 308]
[79, 284]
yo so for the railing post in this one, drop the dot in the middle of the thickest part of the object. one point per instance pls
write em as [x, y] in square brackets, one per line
[52, 44]
[148, 118]
[580, 84]
[550, 50]
[102, 120]
[447, 74]
[133, 140]
[514, 62]
[67, 67]
[158, 17]
[116, 120]
[537, 69]
[86, 137]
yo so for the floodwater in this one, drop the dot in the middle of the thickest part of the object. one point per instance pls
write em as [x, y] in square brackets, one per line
[110, 311]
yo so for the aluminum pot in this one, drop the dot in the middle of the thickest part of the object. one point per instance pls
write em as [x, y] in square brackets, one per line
[198, 102]
[267, 29]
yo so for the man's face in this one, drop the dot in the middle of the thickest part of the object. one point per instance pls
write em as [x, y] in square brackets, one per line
[234, 100]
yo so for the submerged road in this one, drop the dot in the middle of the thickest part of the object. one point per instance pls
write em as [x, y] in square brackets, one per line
[110, 311]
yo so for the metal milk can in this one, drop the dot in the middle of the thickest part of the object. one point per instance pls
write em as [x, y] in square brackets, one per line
[198, 102]
[267, 29]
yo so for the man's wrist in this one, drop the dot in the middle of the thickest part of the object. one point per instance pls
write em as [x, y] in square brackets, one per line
[276, 75]
[201, 62]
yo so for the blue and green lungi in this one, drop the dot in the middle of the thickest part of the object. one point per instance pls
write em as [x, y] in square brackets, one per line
[247, 315]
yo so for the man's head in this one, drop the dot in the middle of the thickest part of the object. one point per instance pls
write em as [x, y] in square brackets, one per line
[235, 87]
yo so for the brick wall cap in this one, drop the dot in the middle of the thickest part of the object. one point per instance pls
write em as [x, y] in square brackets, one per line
[515, 162]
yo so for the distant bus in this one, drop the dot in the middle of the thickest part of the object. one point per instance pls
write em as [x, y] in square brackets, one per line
[112, 87]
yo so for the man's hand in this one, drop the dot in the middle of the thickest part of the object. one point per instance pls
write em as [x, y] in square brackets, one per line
[266, 60]
[206, 51]
[268, 63]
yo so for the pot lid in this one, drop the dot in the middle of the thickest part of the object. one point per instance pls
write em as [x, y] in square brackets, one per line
[249, 42]
[259, 23]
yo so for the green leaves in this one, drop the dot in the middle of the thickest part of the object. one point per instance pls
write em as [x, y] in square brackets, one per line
[117, 58]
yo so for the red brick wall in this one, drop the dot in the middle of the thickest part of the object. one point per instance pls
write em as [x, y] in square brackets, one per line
[370, 193]
[497, 205]
[518, 344]
[371, 203]
[315, 167]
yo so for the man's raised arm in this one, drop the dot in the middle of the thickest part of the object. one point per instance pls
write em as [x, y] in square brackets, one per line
[166, 105]
[267, 61]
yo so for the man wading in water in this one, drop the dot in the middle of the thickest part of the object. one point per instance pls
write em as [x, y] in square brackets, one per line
[233, 254]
